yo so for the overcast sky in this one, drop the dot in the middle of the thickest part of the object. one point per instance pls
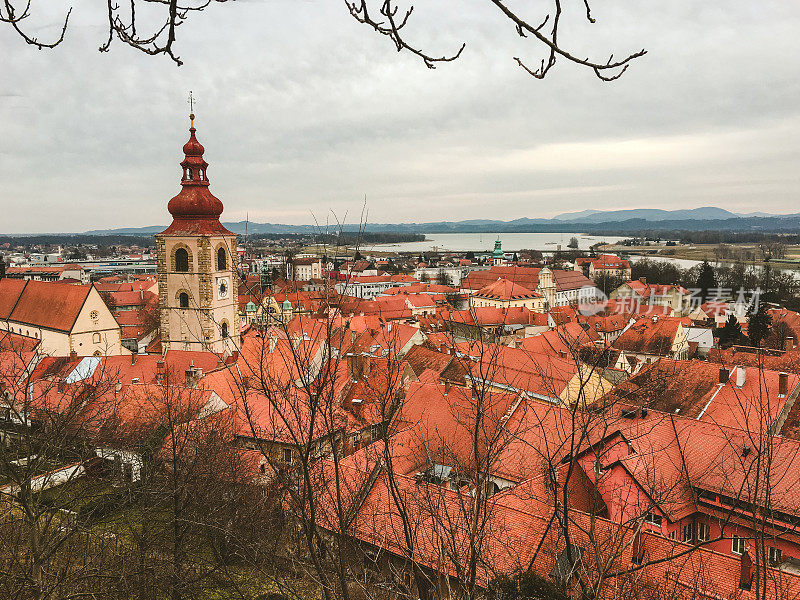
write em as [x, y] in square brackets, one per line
[304, 113]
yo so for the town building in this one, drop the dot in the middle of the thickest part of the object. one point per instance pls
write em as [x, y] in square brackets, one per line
[638, 292]
[559, 287]
[507, 294]
[65, 318]
[605, 264]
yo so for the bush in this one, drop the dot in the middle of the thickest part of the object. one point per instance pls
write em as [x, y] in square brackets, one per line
[526, 585]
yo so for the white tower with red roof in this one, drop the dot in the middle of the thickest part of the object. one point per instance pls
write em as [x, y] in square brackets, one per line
[197, 279]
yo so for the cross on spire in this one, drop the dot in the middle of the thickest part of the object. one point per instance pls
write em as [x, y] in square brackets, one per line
[191, 100]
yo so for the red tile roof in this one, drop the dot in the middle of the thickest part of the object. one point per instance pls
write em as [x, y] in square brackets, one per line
[42, 304]
[653, 336]
[505, 291]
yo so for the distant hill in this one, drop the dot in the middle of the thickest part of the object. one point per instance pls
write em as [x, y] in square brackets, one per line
[648, 214]
[624, 222]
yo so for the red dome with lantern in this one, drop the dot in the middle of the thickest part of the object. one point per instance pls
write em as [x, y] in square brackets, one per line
[195, 210]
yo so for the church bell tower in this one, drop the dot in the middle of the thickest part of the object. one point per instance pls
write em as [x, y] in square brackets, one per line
[197, 280]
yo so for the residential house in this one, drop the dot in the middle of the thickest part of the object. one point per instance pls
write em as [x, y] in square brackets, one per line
[506, 294]
[640, 293]
[65, 317]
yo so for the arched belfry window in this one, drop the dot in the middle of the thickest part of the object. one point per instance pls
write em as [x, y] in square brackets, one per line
[224, 330]
[222, 259]
[182, 260]
[183, 300]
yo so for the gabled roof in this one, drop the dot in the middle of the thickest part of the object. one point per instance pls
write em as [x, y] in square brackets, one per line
[487, 316]
[527, 277]
[609, 261]
[10, 291]
[421, 359]
[646, 290]
[42, 304]
[506, 291]
[692, 389]
[653, 336]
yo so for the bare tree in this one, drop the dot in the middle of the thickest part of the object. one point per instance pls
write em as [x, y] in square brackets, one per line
[150, 26]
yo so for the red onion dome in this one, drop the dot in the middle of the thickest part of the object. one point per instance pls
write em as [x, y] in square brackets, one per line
[193, 147]
[194, 199]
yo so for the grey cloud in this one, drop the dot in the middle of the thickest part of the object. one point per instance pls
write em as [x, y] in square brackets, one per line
[304, 111]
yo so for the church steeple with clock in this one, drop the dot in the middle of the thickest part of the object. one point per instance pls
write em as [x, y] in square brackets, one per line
[197, 282]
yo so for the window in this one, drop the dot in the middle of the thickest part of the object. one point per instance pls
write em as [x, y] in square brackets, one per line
[96, 338]
[183, 300]
[94, 316]
[356, 440]
[653, 519]
[224, 330]
[222, 259]
[775, 556]
[671, 535]
[703, 532]
[287, 456]
[737, 544]
[375, 432]
[688, 532]
[182, 260]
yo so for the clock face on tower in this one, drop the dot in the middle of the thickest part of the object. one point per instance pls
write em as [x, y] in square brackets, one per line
[222, 288]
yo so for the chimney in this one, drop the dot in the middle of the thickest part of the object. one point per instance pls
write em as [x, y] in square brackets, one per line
[273, 341]
[789, 343]
[193, 374]
[746, 571]
[741, 375]
[783, 384]
[446, 386]
[724, 375]
[160, 369]
[73, 355]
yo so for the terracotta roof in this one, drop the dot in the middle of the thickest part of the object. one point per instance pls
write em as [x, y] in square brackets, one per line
[653, 336]
[609, 261]
[505, 290]
[486, 316]
[10, 291]
[17, 343]
[527, 277]
[692, 389]
[421, 359]
[50, 305]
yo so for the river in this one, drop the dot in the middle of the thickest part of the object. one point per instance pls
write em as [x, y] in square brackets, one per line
[685, 263]
[484, 242]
